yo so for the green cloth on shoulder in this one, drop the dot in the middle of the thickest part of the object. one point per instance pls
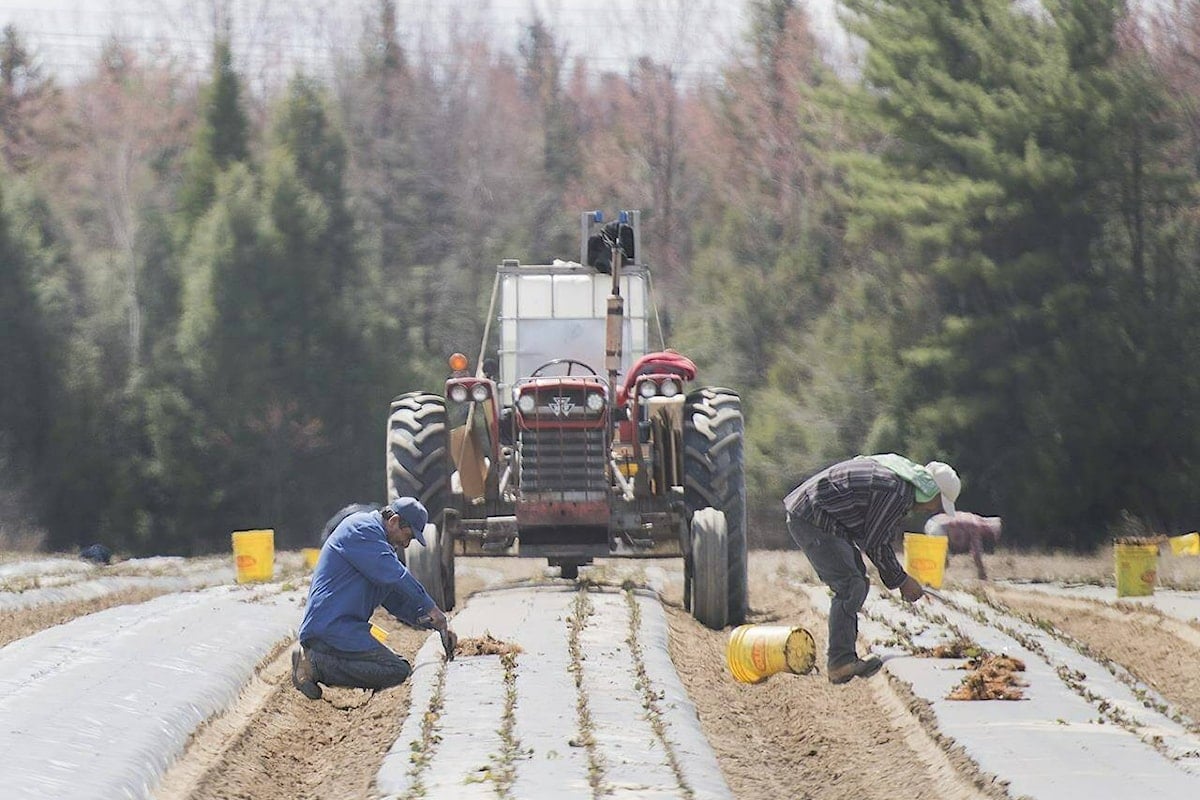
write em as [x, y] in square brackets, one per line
[911, 472]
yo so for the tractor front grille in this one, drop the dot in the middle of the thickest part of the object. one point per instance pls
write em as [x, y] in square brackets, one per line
[563, 460]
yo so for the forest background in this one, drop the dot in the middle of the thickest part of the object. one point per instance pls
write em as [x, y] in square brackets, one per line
[980, 244]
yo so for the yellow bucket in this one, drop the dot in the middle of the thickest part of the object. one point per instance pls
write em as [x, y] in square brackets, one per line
[1186, 545]
[1137, 568]
[311, 554]
[379, 633]
[254, 555]
[925, 558]
[756, 652]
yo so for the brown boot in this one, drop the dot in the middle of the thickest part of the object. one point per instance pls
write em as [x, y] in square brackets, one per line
[302, 674]
[862, 668]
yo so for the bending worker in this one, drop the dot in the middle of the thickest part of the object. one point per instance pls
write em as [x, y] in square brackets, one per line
[857, 507]
[967, 533]
[358, 571]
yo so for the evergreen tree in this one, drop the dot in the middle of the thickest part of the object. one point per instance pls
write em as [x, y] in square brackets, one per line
[333, 322]
[60, 425]
[283, 386]
[190, 432]
[29, 352]
[222, 139]
[1006, 147]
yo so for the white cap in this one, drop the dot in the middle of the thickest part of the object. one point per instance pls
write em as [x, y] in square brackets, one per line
[948, 483]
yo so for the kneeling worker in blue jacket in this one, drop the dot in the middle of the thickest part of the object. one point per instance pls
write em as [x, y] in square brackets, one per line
[357, 572]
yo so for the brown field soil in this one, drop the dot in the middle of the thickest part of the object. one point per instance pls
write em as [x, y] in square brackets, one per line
[789, 737]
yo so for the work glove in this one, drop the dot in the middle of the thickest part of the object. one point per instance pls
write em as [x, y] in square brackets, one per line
[449, 642]
[911, 590]
[436, 620]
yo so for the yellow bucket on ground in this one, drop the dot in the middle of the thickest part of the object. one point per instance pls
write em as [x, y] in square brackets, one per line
[925, 558]
[311, 554]
[756, 652]
[1186, 545]
[379, 633]
[1137, 568]
[254, 555]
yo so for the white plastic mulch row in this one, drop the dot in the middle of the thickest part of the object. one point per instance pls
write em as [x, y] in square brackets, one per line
[547, 748]
[65, 580]
[100, 706]
[1172, 602]
[42, 566]
[102, 587]
[1060, 741]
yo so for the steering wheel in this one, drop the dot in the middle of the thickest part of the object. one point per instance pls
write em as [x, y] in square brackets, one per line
[570, 364]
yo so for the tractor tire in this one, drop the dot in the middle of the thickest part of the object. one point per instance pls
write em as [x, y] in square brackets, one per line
[426, 565]
[710, 555]
[418, 453]
[715, 476]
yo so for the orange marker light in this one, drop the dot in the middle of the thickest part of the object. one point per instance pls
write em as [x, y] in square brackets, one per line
[458, 362]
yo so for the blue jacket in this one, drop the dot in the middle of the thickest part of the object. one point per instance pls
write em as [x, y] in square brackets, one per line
[356, 573]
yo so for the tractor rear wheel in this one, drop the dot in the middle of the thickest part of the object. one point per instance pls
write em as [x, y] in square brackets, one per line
[710, 557]
[418, 463]
[715, 475]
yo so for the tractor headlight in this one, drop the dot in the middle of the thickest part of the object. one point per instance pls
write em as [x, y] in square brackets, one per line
[647, 388]
[479, 392]
[526, 403]
[458, 393]
[595, 401]
[669, 388]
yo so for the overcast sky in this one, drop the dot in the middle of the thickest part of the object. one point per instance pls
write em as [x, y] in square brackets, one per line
[272, 37]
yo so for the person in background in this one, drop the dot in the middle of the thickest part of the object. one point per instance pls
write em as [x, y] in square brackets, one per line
[967, 533]
[358, 571]
[856, 507]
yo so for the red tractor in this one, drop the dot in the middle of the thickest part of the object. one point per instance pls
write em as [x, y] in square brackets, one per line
[574, 439]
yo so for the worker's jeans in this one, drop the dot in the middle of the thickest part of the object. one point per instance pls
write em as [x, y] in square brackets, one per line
[839, 563]
[373, 669]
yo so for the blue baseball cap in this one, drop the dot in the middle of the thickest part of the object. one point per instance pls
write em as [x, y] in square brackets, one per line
[411, 511]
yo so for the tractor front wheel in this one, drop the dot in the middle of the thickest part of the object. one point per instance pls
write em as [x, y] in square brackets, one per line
[710, 560]
[715, 475]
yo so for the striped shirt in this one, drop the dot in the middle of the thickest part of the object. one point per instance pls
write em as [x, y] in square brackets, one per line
[862, 501]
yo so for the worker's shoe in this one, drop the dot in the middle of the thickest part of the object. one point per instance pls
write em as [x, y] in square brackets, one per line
[302, 674]
[859, 667]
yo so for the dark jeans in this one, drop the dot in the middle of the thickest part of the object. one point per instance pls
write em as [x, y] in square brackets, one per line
[379, 668]
[840, 565]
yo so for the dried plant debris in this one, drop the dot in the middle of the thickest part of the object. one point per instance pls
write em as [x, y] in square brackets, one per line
[958, 648]
[991, 678]
[486, 645]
